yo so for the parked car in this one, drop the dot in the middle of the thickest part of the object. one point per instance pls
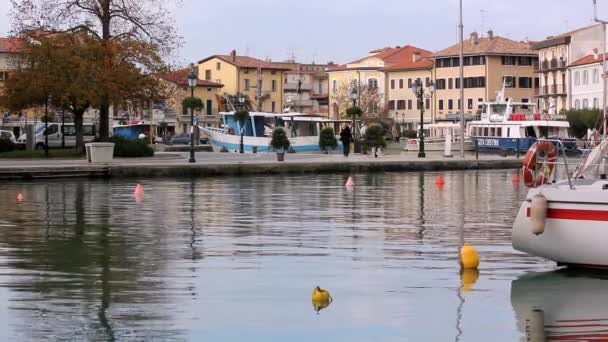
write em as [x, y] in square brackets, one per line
[180, 139]
[53, 131]
[8, 135]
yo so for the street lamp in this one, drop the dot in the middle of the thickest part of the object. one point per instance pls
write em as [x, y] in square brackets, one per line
[419, 91]
[192, 82]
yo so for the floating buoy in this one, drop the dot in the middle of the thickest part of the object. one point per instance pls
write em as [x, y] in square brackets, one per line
[20, 197]
[538, 214]
[320, 299]
[468, 257]
[515, 178]
[350, 182]
[468, 277]
[139, 190]
[439, 181]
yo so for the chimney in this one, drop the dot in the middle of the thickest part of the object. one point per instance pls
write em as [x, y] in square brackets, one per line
[595, 55]
[474, 38]
[233, 56]
[416, 56]
[491, 34]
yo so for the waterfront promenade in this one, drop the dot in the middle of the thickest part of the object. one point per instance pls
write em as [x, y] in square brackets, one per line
[219, 164]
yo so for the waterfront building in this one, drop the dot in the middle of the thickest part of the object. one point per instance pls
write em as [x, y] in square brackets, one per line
[402, 105]
[262, 81]
[306, 88]
[488, 63]
[586, 86]
[14, 122]
[365, 80]
[555, 53]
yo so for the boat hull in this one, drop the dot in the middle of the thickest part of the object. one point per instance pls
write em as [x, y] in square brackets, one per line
[438, 146]
[576, 228]
[511, 144]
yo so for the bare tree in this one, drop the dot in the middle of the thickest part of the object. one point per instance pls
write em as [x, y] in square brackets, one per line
[144, 21]
[369, 99]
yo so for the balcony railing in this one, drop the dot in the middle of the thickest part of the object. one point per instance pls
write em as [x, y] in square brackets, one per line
[294, 86]
[548, 90]
[553, 64]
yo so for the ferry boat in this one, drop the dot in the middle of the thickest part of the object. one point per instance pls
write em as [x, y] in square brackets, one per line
[564, 220]
[436, 136]
[508, 125]
[302, 129]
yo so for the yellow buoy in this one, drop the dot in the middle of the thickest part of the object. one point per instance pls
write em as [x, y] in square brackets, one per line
[320, 299]
[468, 256]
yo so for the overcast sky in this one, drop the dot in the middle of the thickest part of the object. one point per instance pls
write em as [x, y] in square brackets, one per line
[343, 30]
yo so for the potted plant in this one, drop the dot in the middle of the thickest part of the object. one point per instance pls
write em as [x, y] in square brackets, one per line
[327, 139]
[280, 142]
[355, 112]
[241, 116]
[374, 138]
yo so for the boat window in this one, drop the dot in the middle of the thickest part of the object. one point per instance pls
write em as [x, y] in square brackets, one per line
[530, 133]
[508, 132]
[499, 131]
[492, 131]
[485, 131]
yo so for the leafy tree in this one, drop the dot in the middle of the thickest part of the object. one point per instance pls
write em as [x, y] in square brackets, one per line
[279, 140]
[241, 116]
[374, 138]
[132, 35]
[327, 139]
[194, 103]
[583, 119]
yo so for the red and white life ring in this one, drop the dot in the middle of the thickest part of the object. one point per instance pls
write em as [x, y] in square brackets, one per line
[230, 130]
[532, 167]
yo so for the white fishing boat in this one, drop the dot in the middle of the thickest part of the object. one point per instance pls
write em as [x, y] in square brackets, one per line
[435, 138]
[564, 220]
[302, 129]
[513, 126]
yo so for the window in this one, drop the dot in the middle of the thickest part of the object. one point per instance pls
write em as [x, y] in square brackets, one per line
[525, 82]
[469, 103]
[207, 75]
[427, 104]
[246, 84]
[596, 76]
[509, 81]
[524, 60]
[372, 83]
[409, 104]
[273, 107]
[450, 83]
[525, 101]
[480, 103]
[218, 66]
[334, 86]
[391, 105]
[401, 83]
[577, 104]
[457, 83]
[508, 60]
[392, 84]
[585, 103]
[440, 104]
[450, 104]
[52, 129]
[209, 107]
[596, 103]
[585, 77]
[536, 82]
[3, 75]
[577, 78]
[440, 84]
[409, 82]
[401, 104]
[418, 101]
[427, 82]
[273, 85]
[459, 104]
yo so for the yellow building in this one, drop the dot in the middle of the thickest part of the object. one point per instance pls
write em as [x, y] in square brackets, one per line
[367, 80]
[261, 81]
[205, 90]
[487, 63]
[402, 104]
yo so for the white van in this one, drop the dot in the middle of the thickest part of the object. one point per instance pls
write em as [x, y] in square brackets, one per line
[54, 135]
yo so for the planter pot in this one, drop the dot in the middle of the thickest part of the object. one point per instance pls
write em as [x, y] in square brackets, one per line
[280, 156]
[100, 152]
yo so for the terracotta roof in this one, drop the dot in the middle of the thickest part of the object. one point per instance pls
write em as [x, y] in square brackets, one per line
[180, 77]
[391, 56]
[247, 62]
[590, 59]
[10, 44]
[424, 63]
[488, 46]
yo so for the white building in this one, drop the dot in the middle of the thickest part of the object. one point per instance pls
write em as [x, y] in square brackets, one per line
[587, 90]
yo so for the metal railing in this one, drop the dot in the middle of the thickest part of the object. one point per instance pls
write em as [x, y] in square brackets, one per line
[541, 163]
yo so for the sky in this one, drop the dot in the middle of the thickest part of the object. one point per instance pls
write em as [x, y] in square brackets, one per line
[343, 30]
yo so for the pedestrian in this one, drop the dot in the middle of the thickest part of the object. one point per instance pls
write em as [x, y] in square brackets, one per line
[346, 137]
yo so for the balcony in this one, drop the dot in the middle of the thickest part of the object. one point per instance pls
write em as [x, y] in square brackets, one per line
[319, 96]
[552, 90]
[291, 86]
[553, 64]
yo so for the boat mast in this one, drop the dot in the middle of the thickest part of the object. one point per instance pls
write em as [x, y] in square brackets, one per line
[461, 27]
[595, 18]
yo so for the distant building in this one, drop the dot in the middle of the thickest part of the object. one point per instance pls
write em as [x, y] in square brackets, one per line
[586, 89]
[555, 54]
[261, 81]
[488, 62]
[306, 88]
[10, 121]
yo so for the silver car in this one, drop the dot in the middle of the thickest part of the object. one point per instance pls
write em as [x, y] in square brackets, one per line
[8, 135]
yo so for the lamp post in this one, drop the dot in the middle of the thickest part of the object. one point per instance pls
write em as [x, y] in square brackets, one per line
[192, 81]
[402, 123]
[353, 96]
[419, 92]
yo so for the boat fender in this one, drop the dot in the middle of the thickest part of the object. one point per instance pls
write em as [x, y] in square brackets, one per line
[538, 214]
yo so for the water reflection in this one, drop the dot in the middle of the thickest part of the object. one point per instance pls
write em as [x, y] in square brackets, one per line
[223, 258]
[561, 305]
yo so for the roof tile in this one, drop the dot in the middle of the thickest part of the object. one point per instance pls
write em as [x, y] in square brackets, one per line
[488, 46]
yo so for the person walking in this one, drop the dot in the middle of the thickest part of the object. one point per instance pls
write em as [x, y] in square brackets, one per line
[346, 137]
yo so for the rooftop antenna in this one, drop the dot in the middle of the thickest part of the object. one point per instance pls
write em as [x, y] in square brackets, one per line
[483, 21]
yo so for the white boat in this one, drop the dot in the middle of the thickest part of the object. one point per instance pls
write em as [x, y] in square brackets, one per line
[302, 129]
[561, 306]
[508, 125]
[436, 136]
[567, 220]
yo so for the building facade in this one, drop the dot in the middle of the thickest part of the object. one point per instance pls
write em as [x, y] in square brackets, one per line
[306, 88]
[555, 54]
[587, 89]
[489, 63]
[364, 81]
[261, 81]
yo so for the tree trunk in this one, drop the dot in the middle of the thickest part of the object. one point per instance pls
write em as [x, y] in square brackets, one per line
[78, 115]
[104, 107]
[104, 116]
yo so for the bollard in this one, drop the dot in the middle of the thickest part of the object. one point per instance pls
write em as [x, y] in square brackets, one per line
[476, 149]
[517, 148]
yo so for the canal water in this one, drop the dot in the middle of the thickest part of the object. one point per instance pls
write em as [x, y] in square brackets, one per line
[236, 259]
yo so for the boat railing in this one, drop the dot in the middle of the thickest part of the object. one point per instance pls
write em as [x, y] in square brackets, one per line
[561, 149]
